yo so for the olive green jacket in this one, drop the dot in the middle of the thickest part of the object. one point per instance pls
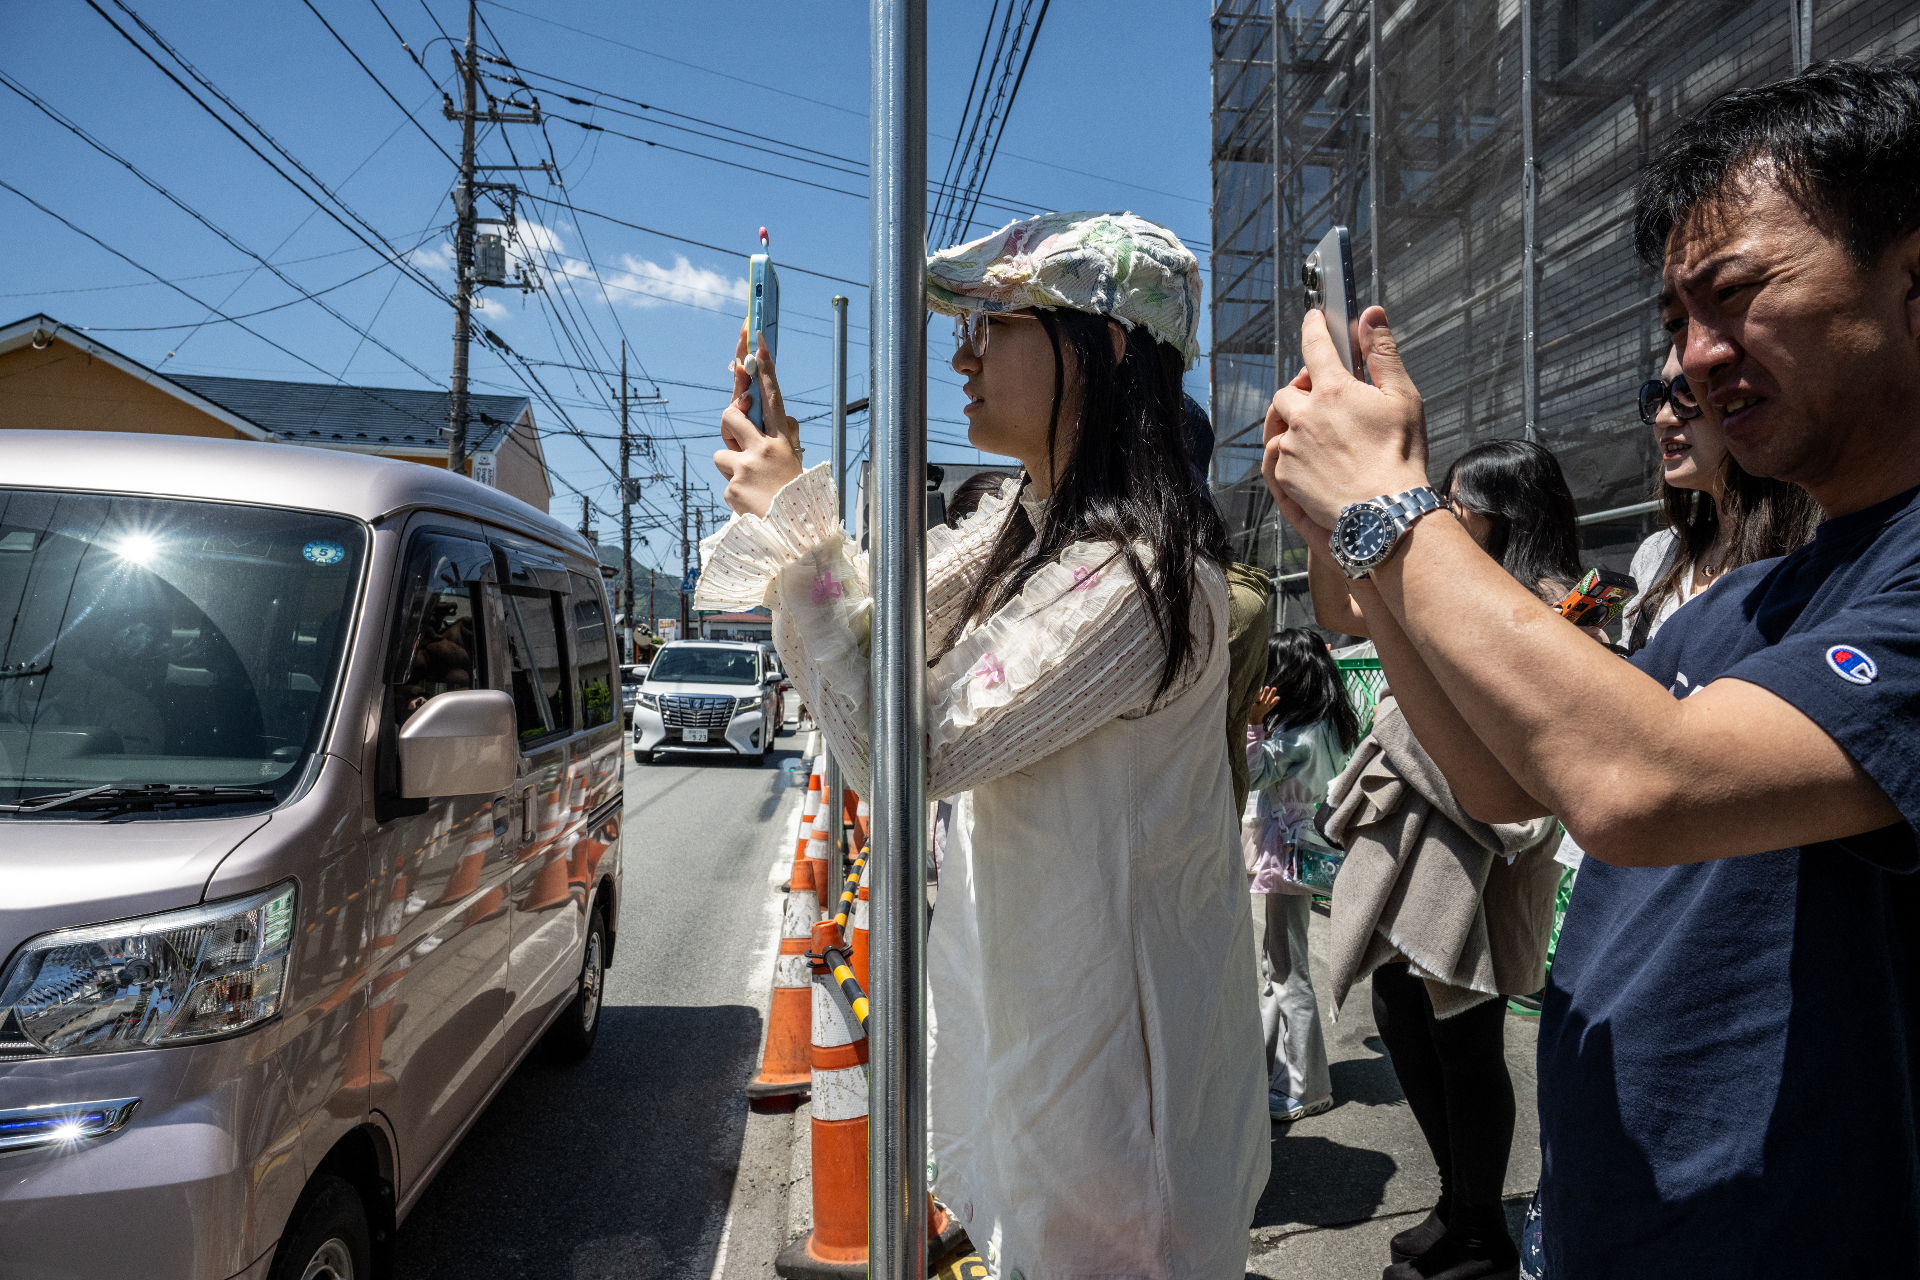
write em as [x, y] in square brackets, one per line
[1249, 623]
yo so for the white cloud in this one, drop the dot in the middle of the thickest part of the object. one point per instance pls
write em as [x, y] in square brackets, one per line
[634, 282]
[648, 284]
[435, 258]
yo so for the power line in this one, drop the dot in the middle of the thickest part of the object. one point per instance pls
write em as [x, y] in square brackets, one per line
[197, 301]
[393, 253]
[698, 244]
[377, 80]
[60, 119]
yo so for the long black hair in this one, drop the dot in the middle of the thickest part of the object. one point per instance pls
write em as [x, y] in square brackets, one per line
[1519, 487]
[1301, 671]
[1764, 518]
[1126, 480]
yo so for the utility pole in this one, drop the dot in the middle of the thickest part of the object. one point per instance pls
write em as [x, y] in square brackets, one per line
[466, 63]
[463, 262]
[684, 610]
[626, 501]
[653, 623]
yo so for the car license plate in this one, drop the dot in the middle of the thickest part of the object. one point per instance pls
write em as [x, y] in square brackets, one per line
[693, 735]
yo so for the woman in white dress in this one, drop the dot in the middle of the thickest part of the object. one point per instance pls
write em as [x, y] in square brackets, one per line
[1096, 1085]
[1718, 516]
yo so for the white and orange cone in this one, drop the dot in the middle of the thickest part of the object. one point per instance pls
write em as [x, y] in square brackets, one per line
[785, 1067]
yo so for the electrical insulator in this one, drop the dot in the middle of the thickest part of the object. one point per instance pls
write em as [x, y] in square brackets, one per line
[490, 259]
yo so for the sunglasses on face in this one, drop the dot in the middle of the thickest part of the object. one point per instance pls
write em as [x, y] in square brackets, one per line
[1657, 391]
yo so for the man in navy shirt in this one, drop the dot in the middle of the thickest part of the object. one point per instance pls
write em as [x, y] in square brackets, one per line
[1730, 1048]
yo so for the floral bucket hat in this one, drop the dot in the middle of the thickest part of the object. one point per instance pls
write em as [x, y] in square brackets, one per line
[1111, 264]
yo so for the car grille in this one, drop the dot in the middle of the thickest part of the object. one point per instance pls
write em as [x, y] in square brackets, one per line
[696, 711]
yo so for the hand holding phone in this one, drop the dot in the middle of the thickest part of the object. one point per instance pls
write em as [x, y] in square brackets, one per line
[1597, 599]
[1327, 277]
[763, 325]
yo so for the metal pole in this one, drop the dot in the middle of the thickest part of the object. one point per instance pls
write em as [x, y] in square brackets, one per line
[836, 829]
[463, 265]
[626, 505]
[1281, 254]
[1800, 23]
[683, 544]
[897, 1135]
[1373, 149]
[1529, 248]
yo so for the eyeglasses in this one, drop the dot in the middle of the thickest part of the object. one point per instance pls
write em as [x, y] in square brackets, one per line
[972, 329]
[1656, 392]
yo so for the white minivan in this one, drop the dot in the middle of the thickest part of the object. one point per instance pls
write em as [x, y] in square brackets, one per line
[310, 805]
[708, 697]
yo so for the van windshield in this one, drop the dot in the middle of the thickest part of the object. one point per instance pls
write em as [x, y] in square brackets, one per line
[698, 664]
[150, 641]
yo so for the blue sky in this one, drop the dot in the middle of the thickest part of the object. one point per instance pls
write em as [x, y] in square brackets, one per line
[1112, 114]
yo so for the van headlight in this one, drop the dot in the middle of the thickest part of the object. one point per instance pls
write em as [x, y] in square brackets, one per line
[747, 704]
[650, 701]
[158, 980]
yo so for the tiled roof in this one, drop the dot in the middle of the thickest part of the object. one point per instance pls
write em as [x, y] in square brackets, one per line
[319, 413]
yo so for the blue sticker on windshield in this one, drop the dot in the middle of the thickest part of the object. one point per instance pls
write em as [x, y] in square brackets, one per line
[320, 551]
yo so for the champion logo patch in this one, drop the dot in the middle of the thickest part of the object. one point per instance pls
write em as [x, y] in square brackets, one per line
[1851, 665]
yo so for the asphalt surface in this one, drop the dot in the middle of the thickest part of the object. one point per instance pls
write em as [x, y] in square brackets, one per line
[643, 1160]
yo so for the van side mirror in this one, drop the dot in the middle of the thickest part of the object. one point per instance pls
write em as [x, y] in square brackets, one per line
[460, 743]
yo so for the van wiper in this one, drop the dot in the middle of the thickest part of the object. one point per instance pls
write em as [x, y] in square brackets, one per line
[151, 796]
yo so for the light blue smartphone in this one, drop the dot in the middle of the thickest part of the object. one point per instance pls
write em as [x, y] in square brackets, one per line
[763, 317]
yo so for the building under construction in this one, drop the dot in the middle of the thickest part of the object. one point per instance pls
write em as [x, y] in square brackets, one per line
[1491, 212]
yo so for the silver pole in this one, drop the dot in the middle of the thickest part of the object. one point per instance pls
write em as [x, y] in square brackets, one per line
[1282, 264]
[1529, 248]
[1800, 29]
[836, 828]
[897, 1134]
[1373, 149]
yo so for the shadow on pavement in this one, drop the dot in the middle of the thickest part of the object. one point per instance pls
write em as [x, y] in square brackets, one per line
[1319, 1181]
[611, 1168]
[1367, 1081]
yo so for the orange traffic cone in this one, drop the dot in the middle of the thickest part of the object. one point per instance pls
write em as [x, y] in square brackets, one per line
[862, 825]
[858, 945]
[819, 853]
[809, 810]
[784, 1067]
[837, 1245]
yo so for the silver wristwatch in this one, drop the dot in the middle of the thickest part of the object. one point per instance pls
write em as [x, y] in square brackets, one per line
[1367, 532]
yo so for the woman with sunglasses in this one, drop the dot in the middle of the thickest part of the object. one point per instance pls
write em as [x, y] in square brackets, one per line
[1718, 516]
[1095, 1077]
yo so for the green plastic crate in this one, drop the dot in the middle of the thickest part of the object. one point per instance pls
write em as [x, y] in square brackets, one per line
[1363, 680]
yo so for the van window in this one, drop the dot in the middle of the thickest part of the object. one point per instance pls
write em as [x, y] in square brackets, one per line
[595, 694]
[164, 641]
[440, 646]
[536, 663]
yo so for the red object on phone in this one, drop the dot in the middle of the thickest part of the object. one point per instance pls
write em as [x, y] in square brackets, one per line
[1598, 598]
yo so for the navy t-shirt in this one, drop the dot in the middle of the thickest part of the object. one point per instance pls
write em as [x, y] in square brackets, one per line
[1730, 1051]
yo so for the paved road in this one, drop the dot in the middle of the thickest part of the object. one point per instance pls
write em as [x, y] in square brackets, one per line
[625, 1165]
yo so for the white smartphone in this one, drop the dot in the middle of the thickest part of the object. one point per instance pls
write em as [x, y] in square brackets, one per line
[1327, 277]
[763, 318]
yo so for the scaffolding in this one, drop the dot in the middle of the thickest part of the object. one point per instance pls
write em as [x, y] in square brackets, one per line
[1491, 212]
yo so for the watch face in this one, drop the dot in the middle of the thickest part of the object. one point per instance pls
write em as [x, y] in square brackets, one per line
[1364, 532]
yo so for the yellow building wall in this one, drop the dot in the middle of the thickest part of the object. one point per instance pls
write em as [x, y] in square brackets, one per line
[62, 388]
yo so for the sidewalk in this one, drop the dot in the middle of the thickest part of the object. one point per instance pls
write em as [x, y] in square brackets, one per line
[1347, 1180]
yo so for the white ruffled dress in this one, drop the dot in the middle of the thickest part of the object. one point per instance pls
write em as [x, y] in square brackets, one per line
[1098, 1088]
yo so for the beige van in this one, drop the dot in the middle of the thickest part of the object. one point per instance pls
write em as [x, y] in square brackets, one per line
[310, 799]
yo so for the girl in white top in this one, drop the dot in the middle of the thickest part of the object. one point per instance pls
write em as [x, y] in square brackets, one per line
[1096, 1083]
[1299, 737]
[1718, 516]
